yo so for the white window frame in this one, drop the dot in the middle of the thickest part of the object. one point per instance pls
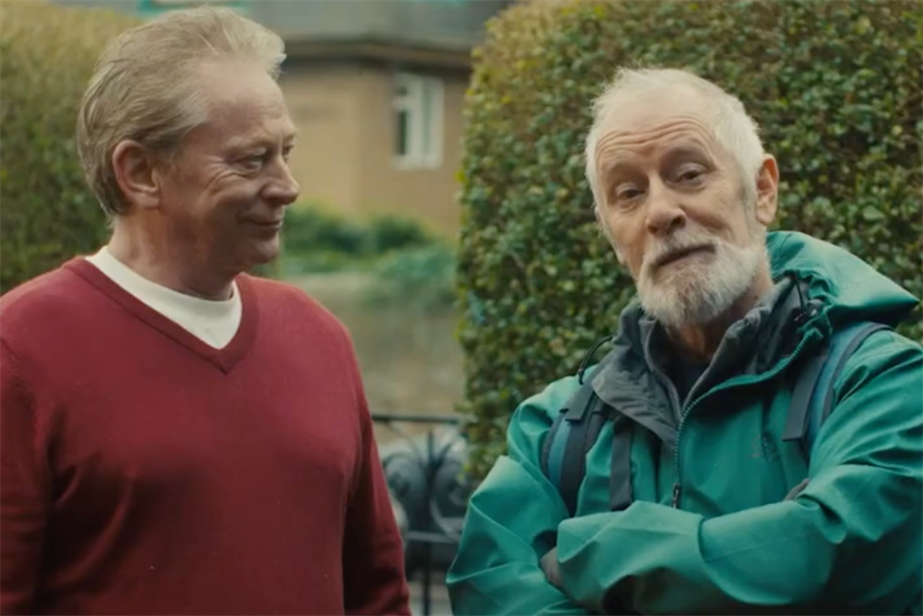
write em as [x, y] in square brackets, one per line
[422, 153]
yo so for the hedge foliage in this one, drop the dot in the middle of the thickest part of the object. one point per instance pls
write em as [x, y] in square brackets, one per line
[47, 213]
[311, 228]
[836, 87]
[409, 265]
[321, 239]
[420, 280]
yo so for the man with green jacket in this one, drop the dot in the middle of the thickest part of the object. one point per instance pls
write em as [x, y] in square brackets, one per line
[701, 494]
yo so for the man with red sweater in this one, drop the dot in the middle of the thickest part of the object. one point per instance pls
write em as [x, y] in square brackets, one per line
[179, 437]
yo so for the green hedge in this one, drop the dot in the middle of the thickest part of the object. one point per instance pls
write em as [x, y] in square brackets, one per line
[836, 87]
[47, 213]
[420, 280]
[311, 228]
[319, 239]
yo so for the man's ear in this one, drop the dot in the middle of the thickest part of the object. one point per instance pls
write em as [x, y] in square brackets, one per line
[767, 191]
[136, 173]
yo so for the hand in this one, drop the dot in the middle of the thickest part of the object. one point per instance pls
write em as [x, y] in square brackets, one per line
[549, 564]
[798, 489]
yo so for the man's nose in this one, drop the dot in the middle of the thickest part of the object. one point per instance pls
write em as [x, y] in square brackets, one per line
[664, 210]
[284, 190]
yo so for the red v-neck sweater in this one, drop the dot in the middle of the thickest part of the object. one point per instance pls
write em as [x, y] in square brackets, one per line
[146, 472]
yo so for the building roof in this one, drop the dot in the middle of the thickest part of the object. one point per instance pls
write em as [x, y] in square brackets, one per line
[440, 33]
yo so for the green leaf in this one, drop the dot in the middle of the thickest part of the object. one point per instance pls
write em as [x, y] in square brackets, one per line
[872, 214]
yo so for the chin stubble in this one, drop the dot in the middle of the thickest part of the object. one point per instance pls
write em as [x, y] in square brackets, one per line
[699, 294]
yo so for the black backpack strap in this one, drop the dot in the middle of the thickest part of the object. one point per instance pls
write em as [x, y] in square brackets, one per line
[564, 452]
[572, 434]
[570, 439]
[620, 496]
[796, 424]
[812, 397]
[553, 440]
[582, 437]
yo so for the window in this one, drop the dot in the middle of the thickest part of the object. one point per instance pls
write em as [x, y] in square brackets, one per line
[417, 122]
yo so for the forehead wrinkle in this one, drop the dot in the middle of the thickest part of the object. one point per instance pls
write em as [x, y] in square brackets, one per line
[247, 112]
[640, 137]
[617, 145]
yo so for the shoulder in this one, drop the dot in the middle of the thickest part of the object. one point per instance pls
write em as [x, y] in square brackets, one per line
[545, 404]
[285, 299]
[886, 368]
[881, 350]
[534, 416]
[42, 302]
[52, 286]
[284, 302]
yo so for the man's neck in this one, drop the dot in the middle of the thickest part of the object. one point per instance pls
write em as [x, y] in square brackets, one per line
[166, 267]
[699, 342]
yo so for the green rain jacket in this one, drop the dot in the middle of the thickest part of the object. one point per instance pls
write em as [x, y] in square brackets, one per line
[850, 542]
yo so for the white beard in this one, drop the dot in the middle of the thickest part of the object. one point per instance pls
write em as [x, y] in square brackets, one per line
[694, 292]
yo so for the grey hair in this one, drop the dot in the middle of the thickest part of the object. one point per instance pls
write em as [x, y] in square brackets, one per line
[145, 87]
[733, 128]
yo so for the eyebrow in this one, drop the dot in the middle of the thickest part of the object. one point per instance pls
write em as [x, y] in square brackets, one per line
[256, 140]
[687, 150]
[612, 167]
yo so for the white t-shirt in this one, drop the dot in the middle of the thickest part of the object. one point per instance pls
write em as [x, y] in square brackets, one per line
[213, 322]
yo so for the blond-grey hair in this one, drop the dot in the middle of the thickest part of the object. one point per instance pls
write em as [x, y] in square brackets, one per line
[733, 129]
[145, 87]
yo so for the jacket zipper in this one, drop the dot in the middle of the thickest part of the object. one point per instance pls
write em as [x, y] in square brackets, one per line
[677, 409]
[738, 382]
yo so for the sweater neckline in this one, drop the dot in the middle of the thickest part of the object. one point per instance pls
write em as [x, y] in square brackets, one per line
[224, 358]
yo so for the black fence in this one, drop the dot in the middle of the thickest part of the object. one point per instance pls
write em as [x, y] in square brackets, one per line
[424, 466]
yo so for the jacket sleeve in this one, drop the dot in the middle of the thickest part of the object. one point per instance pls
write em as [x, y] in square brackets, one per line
[374, 581]
[851, 541]
[511, 523]
[24, 491]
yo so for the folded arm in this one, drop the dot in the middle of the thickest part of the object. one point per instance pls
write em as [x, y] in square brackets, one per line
[851, 540]
[510, 524]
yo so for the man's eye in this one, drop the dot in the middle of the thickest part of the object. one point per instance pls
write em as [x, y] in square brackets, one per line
[252, 162]
[627, 193]
[690, 174]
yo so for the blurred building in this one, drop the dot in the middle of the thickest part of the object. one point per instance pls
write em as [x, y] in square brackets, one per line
[376, 88]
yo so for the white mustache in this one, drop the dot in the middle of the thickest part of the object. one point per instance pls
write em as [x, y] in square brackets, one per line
[676, 245]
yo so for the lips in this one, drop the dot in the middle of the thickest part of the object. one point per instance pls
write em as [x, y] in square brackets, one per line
[267, 224]
[682, 253]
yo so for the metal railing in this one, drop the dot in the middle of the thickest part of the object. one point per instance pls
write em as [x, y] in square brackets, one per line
[425, 476]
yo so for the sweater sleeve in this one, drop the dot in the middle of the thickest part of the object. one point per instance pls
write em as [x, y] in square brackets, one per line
[23, 491]
[849, 543]
[373, 555]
